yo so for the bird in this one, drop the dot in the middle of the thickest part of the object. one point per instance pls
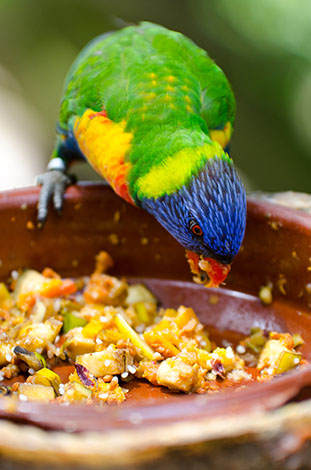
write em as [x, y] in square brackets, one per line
[153, 114]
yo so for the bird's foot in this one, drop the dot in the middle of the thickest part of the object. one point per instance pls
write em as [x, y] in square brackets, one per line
[53, 182]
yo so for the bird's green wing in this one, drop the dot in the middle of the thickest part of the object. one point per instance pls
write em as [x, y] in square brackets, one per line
[217, 99]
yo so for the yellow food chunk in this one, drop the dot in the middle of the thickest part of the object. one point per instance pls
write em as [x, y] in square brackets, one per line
[110, 393]
[76, 343]
[177, 375]
[142, 313]
[186, 320]
[265, 294]
[37, 336]
[6, 300]
[160, 343]
[92, 328]
[139, 293]
[35, 392]
[5, 353]
[105, 290]
[275, 358]
[38, 312]
[228, 359]
[47, 377]
[28, 282]
[111, 361]
[75, 391]
[33, 359]
[204, 358]
[137, 341]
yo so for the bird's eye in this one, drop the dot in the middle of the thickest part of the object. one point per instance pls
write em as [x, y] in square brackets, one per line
[196, 229]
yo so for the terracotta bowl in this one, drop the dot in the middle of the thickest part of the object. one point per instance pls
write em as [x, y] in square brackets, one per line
[267, 422]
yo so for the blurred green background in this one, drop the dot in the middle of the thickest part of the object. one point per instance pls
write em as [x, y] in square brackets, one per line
[263, 47]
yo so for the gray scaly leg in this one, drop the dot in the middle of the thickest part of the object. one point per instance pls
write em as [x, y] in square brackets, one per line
[54, 182]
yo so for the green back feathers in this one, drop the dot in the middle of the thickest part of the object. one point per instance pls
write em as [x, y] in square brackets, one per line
[167, 91]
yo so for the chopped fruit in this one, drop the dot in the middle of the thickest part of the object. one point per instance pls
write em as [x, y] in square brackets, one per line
[37, 336]
[256, 341]
[265, 294]
[6, 301]
[278, 355]
[176, 374]
[35, 392]
[107, 333]
[76, 392]
[48, 378]
[139, 293]
[76, 343]
[33, 359]
[92, 328]
[111, 361]
[28, 282]
[72, 321]
[104, 289]
[143, 348]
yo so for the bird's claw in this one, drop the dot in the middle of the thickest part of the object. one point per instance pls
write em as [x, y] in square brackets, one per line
[54, 183]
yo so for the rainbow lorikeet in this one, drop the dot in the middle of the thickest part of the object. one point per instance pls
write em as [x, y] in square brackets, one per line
[153, 114]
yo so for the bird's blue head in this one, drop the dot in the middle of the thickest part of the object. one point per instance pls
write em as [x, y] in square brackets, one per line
[208, 217]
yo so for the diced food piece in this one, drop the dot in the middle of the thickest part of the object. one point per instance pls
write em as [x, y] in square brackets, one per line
[204, 358]
[228, 359]
[265, 294]
[288, 360]
[105, 290]
[10, 371]
[111, 361]
[276, 358]
[137, 341]
[35, 392]
[159, 342]
[297, 340]
[148, 370]
[76, 343]
[111, 336]
[38, 311]
[110, 393]
[58, 288]
[47, 377]
[92, 328]
[6, 300]
[186, 320]
[28, 282]
[33, 359]
[72, 321]
[37, 336]
[103, 262]
[177, 375]
[139, 293]
[5, 353]
[76, 392]
[256, 341]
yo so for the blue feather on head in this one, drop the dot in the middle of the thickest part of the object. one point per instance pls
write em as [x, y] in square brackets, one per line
[208, 215]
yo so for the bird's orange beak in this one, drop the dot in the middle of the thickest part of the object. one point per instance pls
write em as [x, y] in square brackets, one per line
[207, 271]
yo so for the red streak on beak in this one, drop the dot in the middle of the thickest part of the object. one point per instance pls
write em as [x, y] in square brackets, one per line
[216, 271]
